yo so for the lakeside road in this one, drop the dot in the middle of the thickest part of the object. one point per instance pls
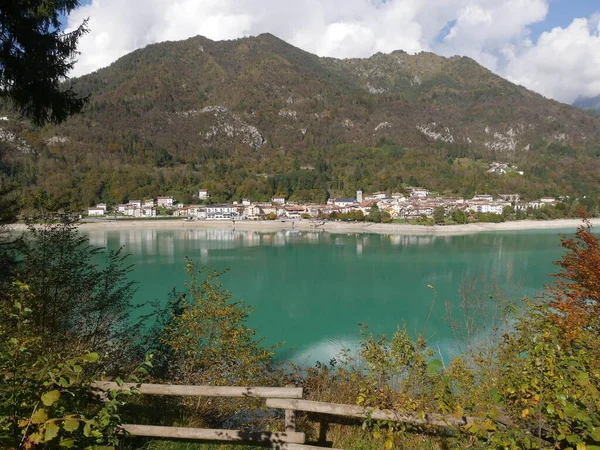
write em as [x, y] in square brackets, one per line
[329, 226]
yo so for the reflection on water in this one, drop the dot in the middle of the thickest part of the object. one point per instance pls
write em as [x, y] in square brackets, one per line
[310, 290]
[150, 241]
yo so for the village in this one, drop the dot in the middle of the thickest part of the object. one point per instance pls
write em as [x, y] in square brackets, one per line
[418, 203]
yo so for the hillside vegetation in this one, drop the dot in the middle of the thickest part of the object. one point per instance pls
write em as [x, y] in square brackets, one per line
[256, 117]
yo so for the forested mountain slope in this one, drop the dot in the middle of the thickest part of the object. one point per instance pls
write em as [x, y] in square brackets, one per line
[256, 116]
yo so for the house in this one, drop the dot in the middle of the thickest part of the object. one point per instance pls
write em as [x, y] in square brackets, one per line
[135, 203]
[96, 211]
[130, 209]
[221, 212]
[378, 195]
[121, 208]
[548, 200]
[148, 203]
[278, 199]
[344, 202]
[197, 211]
[165, 202]
[510, 197]
[488, 207]
[484, 197]
[203, 194]
[252, 212]
[101, 206]
[294, 212]
[419, 192]
[246, 202]
[149, 211]
[181, 212]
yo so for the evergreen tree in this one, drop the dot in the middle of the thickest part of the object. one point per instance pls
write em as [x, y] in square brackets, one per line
[36, 56]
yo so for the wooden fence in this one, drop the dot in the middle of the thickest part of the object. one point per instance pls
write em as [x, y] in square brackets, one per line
[286, 398]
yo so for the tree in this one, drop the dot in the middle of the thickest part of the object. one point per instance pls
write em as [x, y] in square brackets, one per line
[36, 57]
[438, 214]
[205, 340]
[374, 215]
[575, 295]
[78, 304]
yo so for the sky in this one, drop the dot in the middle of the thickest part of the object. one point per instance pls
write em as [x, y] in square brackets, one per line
[549, 46]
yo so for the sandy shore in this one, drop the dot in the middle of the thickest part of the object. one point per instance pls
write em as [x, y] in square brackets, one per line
[331, 227]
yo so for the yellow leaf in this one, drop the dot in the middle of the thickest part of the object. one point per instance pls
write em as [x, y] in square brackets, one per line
[525, 413]
[389, 444]
[50, 398]
[51, 431]
[40, 416]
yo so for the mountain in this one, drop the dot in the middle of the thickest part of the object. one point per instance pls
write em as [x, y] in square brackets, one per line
[256, 116]
[592, 103]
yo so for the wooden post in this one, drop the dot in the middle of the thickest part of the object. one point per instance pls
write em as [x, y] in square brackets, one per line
[290, 416]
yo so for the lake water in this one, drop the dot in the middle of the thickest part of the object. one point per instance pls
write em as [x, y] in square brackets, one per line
[310, 290]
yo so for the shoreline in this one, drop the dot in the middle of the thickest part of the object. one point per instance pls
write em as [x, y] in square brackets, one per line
[330, 227]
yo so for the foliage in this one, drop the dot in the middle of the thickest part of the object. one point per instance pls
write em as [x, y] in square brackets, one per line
[35, 57]
[550, 387]
[205, 340]
[78, 302]
[575, 295]
[438, 214]
[46, 400]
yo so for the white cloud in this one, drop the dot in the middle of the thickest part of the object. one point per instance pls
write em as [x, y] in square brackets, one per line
[562, 63]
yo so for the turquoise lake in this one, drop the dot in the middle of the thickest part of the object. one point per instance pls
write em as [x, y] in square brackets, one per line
[310, 290]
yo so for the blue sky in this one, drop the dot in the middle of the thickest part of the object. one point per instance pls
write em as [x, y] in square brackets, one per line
[562, 12]
[502, 35]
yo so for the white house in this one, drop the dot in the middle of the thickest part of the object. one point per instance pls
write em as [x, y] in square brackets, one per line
[101, 206]
[510, 197]
[344, 202]
[121, 208]
[379, 195]
[95, 211]
[135, 203]
[203, 194]
[221, 212]
[294, 212]
[488, 207]
[484, 197]
[130, 209]
[419, 192]
[278, 199]
[252, 212]
[165, 202]
[149, 211]
[148, 203]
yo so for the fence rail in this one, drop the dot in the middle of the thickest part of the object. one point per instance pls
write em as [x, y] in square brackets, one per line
[361, 412]
[204, 391]
[286, 398]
